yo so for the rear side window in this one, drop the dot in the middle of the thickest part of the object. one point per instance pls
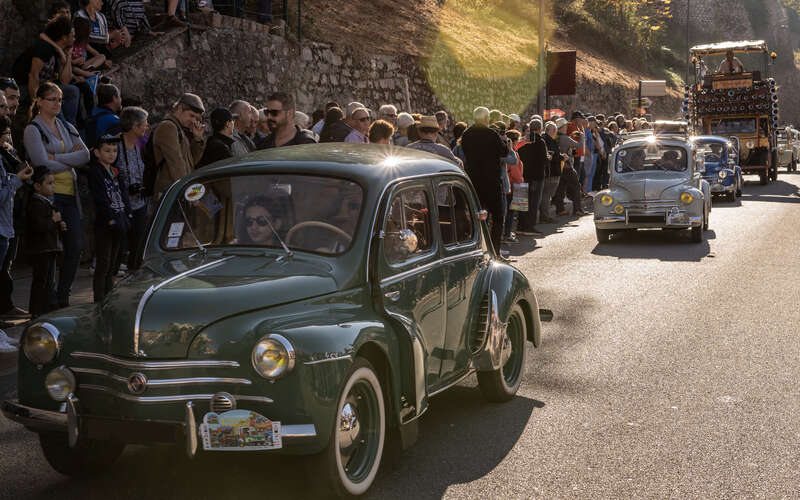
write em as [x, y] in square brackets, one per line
[455, 215]
[408, 226]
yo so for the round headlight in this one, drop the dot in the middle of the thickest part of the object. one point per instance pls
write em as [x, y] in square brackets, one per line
[618, 209]
[687, 198]
[60, 383]
[750, 144]
[606, 200]
[273, 356]
[40, 343]
[722, 174]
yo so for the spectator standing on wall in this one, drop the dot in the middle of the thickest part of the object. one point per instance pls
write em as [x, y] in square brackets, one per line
[358, 121]
[281, 120]
[178, 142]
[101, 38]
[56, 144]
[242, 144]
[130, 15]
[428, 130]
[218, 146]
[484, 151]
[44, 62]
[130, 163]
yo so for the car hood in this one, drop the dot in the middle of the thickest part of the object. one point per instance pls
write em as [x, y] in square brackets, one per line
[180, 299]
[651, 187]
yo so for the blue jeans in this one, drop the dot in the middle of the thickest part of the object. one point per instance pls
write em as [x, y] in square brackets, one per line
[535, 188]
[72, 99]
[73, 243]
[590, 172]
[3, 247]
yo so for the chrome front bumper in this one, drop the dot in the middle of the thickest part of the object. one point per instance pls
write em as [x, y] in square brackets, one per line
[721, 188]
[678, 221]
[70, 422]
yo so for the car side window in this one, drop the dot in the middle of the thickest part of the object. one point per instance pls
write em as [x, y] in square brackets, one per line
[408, 226]
[455, 215]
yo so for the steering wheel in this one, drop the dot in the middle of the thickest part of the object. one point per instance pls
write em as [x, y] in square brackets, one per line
[316, 223]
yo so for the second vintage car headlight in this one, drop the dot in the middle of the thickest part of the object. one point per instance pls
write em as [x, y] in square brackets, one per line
[722, 174]
[687, 198]
[273, 356]
[606, 200]
[40, 343]
[60, 383]
[619, 209]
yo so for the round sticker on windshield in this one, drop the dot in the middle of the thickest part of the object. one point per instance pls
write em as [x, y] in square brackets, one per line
[194, 192]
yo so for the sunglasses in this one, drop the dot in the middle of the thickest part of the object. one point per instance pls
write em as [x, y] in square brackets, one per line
[260, 220]
[273, 112]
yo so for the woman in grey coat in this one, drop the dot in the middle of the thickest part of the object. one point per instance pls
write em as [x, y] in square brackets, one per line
[54, 143]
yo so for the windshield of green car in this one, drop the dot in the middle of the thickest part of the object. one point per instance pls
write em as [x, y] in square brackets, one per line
[651, 157]
[309, 213]
[727, 126]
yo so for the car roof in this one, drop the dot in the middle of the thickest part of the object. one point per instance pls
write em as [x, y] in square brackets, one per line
[670, 139]
[368, 163]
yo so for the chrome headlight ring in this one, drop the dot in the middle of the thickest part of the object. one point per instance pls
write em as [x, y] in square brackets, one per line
[40, 343]
[722, 174]
[273, 356]
[60, 383]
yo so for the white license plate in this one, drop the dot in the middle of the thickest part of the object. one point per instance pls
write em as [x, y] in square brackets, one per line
[239, 430]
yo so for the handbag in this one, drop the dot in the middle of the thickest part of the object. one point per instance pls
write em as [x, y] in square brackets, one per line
[519, 197]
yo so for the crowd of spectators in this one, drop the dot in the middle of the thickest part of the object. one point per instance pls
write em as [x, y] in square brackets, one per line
[74, 177]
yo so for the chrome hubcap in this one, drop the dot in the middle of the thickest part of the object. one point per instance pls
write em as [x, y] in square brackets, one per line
[349, 426]
[507, 350]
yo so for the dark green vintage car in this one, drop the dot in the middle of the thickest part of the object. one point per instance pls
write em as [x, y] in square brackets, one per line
[305, 300]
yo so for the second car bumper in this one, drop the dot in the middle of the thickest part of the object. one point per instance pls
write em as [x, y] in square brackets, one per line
[721, 188]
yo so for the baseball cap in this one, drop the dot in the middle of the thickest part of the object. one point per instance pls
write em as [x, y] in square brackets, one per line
[561, 121]
[107, 139]
[193, 102]
[220, 116]
[577, 114]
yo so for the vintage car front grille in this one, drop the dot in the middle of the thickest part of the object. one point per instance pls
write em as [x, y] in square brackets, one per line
[482, 326]
[144, 382]
[650, 205]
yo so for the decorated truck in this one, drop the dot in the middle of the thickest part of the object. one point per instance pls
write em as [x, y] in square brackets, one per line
[731, 98]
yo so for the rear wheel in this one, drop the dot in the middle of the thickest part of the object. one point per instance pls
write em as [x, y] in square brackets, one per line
[502, 384]
[773, 168]
[603, 235]
[89, 458]
[350, 463]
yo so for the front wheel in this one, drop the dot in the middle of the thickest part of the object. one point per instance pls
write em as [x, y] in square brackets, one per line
[350, 462]
[89, 458]
[502, 384]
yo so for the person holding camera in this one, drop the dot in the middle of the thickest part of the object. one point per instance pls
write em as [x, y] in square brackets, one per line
[133, 123]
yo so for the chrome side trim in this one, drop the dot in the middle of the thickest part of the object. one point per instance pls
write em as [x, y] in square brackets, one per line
[153, 289]
[298, 431]
[197, 380]
[456, 382]
[154, 365]
[102, 373]
[326, 360]
[429, 265]
[177, 398]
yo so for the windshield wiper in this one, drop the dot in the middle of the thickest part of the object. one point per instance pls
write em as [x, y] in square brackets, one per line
[289, 253]
[191, 231]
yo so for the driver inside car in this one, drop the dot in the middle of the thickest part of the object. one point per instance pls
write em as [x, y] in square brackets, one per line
[669, 160]
[258, 214]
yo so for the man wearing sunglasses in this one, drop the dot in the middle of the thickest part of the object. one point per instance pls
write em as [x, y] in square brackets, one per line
[359, 121]
[280, 113]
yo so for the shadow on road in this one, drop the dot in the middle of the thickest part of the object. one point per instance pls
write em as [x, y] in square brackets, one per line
[778, 191]
[665, 245]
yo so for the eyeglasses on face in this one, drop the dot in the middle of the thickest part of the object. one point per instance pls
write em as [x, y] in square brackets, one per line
[273, 112]
[260, 220]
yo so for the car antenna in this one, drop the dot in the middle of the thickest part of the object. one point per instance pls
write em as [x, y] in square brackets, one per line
[191, 231]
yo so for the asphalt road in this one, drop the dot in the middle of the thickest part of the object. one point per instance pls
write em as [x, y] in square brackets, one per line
[670, 370]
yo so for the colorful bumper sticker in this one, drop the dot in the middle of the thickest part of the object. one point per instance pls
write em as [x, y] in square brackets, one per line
[237, 430]
[194, 192]
[175, 230]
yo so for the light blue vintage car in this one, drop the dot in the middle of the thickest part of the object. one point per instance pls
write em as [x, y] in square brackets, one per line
[721, 161]
[656, 182]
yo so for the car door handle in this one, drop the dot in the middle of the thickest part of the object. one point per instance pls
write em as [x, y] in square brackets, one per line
[394, 295]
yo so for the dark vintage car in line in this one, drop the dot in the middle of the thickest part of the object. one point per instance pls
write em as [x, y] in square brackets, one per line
[721, 161]
[305, 300]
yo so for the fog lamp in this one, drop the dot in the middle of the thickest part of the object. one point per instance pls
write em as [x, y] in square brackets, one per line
[619, 209]
[60, 383]
[687, 198]
[606, 200]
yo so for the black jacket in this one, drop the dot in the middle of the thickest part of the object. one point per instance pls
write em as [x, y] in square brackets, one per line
[484, 150]
[301, 136]
[336, 132]
[42, 235]
[555, 159]
[218, 147]
[534, 159]
[109, 195]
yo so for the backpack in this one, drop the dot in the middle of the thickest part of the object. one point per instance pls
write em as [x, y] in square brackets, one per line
[91, 127]
[45, 140]
[151, 167]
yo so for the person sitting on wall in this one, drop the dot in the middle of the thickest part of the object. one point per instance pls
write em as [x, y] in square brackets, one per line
[731, 64]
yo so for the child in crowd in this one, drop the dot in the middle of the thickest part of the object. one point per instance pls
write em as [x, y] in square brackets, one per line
[85, 59]
[111, 219]
[43, 225]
